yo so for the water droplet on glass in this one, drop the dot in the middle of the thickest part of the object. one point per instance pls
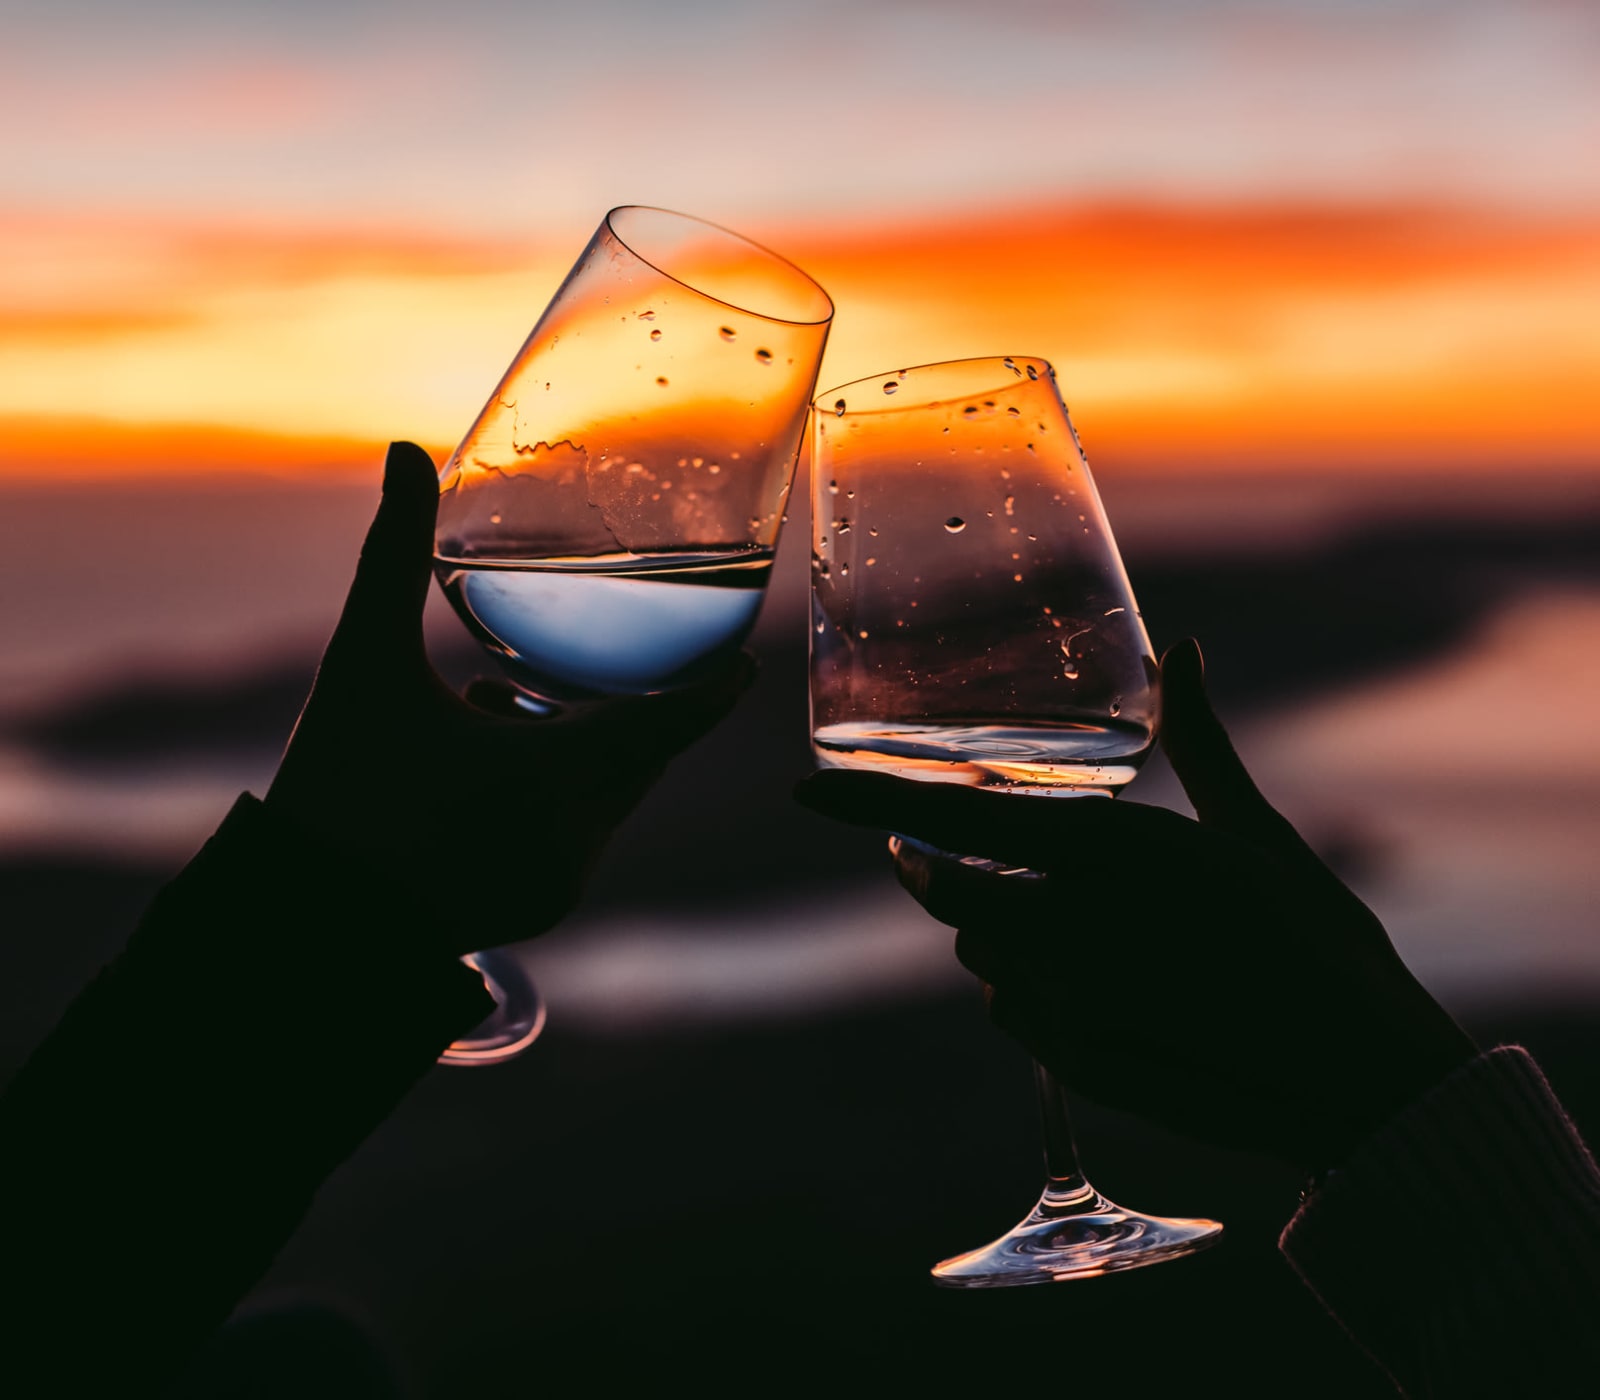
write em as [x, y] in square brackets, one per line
[862, 634]
[844, 569]
[969, 411]
[955, 525]
[849, 495]
[1011, 365]
[647, 315]
[728, 333]
[764, 356]
[1032, 372]
[819, 626]
[661, 379]
[495, 518]
[838, 409]
[1016, 578]
[1116, 707]
[833, 488]
[1011, 503]
[1014, 411]
[824, 569]
[871, 560]
[891, 386]
[873, 532]
[1112, 612]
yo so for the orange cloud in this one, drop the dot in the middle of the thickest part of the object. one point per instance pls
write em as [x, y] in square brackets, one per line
[39, 450]
[1186, 337]
[1263, 336]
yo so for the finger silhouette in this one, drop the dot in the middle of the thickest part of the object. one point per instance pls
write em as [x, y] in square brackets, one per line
[494, 697]
[382, 617]
[965, 896]
[1214, 778]
[1043, 835]
[653, 728]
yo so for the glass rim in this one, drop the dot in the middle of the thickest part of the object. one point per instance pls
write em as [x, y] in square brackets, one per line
[762, 248]
[1013, 367]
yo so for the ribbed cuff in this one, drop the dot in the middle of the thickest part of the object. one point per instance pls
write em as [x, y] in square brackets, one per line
[1461, 1241]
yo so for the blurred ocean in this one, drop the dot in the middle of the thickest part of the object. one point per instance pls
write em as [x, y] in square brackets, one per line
[1409, 664]
[767, 1097]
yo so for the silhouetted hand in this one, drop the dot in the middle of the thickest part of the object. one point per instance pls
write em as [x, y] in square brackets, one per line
[490, 815]
[1213, 975]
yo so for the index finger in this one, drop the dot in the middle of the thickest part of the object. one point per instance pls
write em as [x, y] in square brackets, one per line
[1039, 832]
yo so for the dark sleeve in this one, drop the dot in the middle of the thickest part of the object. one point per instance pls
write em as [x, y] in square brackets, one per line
[1460, 1244]
[160, 1146]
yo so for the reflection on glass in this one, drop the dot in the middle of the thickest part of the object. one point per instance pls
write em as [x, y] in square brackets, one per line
[972, 623]
[607, 525]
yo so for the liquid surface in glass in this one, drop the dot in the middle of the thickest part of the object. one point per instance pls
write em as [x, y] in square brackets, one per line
[1059, 758]
[621, 624]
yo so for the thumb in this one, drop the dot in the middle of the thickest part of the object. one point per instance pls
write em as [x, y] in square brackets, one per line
[383, 610]
[1223, 793]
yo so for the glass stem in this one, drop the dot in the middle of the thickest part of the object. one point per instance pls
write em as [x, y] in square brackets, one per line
[1060, 1152]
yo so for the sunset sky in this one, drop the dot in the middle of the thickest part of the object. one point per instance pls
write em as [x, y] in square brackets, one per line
[1251, 235]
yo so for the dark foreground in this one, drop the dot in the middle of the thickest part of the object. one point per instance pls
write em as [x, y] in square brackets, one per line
[752, 1207]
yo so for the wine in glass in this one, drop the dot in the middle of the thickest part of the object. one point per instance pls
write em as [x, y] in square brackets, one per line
[972, 623]
[608, 524]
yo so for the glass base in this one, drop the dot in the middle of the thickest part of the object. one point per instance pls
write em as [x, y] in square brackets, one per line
[1075, 1232]
[516, 1021]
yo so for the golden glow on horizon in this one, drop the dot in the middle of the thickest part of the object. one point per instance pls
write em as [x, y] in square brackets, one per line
[1238, 337]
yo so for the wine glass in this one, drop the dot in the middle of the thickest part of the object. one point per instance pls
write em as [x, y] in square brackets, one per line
[972, 623]
[608, 524]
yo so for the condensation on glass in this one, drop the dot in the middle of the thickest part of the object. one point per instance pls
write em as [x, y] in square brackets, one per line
[607, 525]
[971, 618]
[972, 623]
